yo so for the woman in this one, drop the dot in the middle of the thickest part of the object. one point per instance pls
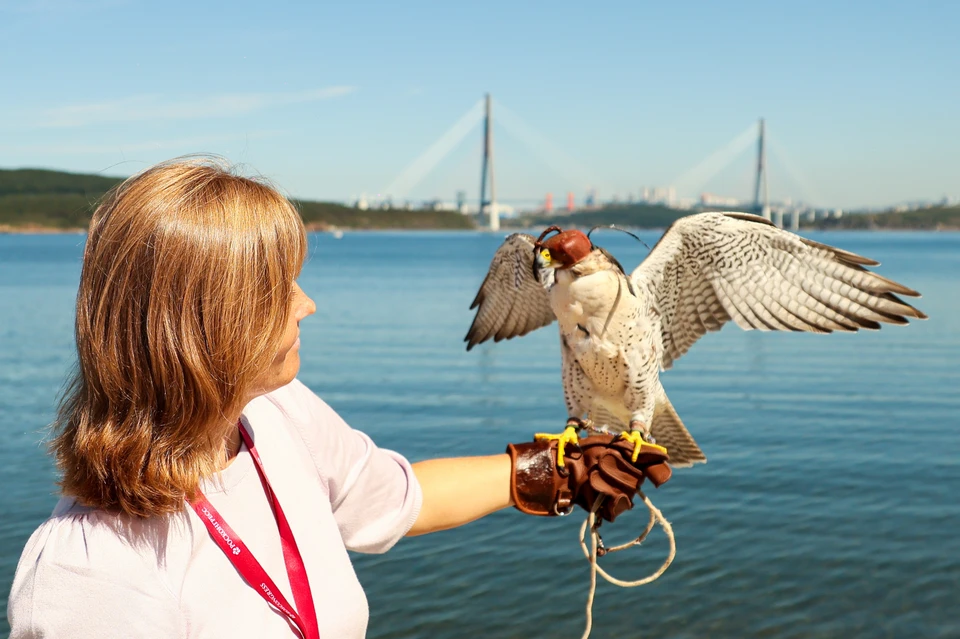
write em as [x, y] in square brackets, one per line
[207, 492]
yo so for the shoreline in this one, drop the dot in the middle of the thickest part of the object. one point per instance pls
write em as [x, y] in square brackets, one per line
[36, 229]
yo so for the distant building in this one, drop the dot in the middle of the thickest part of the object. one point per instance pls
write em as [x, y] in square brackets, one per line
[660, 195]
[362, 203]
[437, 204]
[712, 199]
[591, 200]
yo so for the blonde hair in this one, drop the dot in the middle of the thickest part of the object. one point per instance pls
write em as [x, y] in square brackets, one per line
[187, 279]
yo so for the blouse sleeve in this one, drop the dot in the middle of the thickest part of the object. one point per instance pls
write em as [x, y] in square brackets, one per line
[374, 493]
[112, 592]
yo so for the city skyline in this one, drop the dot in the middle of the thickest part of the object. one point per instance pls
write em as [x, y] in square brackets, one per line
[337, 101]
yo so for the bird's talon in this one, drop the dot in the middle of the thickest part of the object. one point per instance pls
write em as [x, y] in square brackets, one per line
[635, 437]
[568, 436]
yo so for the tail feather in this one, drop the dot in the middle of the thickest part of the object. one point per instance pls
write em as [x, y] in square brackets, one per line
[668, 430]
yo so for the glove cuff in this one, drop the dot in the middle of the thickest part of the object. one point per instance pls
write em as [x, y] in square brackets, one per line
[536, 486]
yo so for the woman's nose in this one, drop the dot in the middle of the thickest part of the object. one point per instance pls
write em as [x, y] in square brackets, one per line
[303, 305]
[309, 307]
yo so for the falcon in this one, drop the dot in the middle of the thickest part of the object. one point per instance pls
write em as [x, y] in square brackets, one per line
[618, 331]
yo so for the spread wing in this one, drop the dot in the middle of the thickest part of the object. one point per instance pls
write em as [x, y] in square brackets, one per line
[510, 301]
[713, 267]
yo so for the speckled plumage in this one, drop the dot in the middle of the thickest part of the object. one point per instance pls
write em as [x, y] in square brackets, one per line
[618, 331]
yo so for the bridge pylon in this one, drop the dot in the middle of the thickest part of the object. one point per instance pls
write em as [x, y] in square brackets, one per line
[487, 169]
[762, 208]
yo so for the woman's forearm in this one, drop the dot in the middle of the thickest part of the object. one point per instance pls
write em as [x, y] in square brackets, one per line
[459, 490]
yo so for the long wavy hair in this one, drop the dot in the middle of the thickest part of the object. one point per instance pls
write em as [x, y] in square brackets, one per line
[187, 279]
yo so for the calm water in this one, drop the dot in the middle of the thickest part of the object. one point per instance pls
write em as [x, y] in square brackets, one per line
[830, 506]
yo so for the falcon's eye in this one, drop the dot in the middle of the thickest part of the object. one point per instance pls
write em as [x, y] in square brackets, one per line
[545, 254]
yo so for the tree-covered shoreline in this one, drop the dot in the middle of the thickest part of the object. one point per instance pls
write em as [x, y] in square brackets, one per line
[655, 216]
[41, 200]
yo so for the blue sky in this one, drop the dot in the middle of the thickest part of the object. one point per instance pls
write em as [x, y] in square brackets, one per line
[862, 99]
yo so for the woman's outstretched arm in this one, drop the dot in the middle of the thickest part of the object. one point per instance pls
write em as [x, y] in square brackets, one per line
[459, 490]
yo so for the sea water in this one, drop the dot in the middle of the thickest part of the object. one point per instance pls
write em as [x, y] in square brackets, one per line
[830, 505]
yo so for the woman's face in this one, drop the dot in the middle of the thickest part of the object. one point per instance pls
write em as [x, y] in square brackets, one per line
[287, 362]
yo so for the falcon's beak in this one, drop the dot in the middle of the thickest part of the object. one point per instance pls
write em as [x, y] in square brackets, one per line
[541, 260]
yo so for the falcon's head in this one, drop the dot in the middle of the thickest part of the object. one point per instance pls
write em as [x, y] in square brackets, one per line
[563, 250]
[568, 248]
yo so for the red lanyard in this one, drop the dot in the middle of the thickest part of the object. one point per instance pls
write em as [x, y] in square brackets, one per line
[251, 570]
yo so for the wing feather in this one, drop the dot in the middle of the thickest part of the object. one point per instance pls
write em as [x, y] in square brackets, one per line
[712, 268]
[510, 302]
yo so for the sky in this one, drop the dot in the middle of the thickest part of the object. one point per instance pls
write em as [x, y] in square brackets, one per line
[335, 100]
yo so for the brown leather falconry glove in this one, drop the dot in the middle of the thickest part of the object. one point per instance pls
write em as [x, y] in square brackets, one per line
[600, 466]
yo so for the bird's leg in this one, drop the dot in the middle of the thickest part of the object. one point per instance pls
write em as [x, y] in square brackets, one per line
[568, 436]
[638, 435]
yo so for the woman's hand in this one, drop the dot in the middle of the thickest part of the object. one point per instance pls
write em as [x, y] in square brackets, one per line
[599, 467]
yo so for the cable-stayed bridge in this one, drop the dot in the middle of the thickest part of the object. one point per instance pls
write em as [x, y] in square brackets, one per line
[580, 179]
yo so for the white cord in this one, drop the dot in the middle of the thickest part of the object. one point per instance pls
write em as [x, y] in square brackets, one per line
[591, 554]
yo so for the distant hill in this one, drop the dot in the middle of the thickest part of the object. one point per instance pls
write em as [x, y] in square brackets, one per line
[46, 182]
[42, 199]
[324, 215]
[646, 216]
[38, 199]
[936, 218]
